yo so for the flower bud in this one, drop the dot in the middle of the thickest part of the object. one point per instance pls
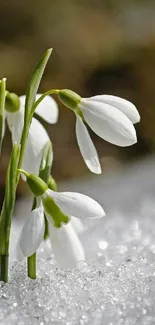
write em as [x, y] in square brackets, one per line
[52, 185]
[12, 103]
[35, 183]
[69, 98]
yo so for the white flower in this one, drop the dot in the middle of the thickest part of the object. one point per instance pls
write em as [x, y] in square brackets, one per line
[66, 245]
[38, 136]
[111, 118]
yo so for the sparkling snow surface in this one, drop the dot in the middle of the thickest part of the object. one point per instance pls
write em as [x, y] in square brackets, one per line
[118, 284]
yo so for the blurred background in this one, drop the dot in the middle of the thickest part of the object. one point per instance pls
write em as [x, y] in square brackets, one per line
[100, 47]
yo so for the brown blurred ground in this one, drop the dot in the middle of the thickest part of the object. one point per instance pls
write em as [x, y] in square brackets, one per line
[99, 47]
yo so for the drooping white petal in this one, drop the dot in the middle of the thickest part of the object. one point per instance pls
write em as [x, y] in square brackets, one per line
[122, 104]
[16, 123]
[77, 225]
[86, 146]
[67, 248]
[109, 123]
[47, 109]
[36, 141]
[32, 232]
[76, 204]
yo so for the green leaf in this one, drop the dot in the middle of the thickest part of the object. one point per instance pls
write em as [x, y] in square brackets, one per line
[35, 82]
[9, 200]
[2, 106]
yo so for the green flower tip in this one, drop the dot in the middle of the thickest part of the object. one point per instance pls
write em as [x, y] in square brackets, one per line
[3, 80]
[35, 183]
[48, 53]
[49, 50]
[12, 102]
[69, 98]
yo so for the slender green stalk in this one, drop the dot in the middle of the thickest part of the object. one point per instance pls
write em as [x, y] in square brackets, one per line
[4, 263]
[39, 100]
[46, 232]
[7, 212]
[32, 266]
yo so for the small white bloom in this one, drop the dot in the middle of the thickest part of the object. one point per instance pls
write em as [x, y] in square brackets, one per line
[66, 245]
[108, 122]
[38, 136]
[111, 118]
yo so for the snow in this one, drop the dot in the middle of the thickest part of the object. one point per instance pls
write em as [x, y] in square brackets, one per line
[117, 285]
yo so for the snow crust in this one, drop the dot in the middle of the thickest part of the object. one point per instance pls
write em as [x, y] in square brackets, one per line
[117, 285]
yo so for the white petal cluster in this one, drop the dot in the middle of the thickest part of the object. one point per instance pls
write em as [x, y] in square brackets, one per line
[111, 118]
[66, 245]
[38, 136]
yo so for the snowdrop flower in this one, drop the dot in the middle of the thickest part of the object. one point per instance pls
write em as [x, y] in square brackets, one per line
[59, 207]
[66, 245]
[110, 117]
[38, 136]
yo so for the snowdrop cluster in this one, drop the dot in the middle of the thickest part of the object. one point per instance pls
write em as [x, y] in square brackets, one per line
[111, 118]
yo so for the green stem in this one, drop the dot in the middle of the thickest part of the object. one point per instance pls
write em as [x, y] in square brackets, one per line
[49, 92]
[4, 262]
[23, 145]
[7, 211]
[31, 266]
[46, 232]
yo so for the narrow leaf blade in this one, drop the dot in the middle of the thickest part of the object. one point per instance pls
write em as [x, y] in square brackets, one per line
[35, 82]
[2, 106]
